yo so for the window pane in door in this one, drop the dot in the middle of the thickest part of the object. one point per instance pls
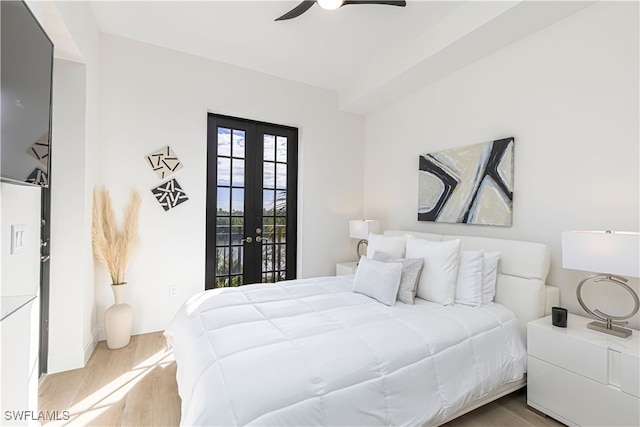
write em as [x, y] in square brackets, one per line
[281, 176]
[269, 178]
[238, 144]
[268, 199]
[281, 149]
[269, 147]
[224, 206]
[237, 177]
[237, 201]
[281, 203]
[224, 142]
[224, 171]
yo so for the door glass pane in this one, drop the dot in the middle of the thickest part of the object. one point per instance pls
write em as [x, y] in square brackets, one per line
[222, 264]
[281, 149]
[267, 229]
[224, 207]
[236, 260]
[224, 142]
[238, 144]
[281, 203]
[268, 197]
[269, 147]
[238, 173]
[237, 201]
[269, 178]
[222, 231]
[281, 230]
[281, 176]
[237, 232]
[224, 171]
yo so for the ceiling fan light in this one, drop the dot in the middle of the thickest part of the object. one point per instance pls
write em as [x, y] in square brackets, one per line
[329, 4]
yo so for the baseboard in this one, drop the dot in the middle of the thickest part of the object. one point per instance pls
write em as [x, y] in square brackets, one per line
[65, 360]
[71, 359]
[91, 345]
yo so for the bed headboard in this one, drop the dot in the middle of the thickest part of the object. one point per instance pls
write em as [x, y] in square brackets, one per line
[522, 272]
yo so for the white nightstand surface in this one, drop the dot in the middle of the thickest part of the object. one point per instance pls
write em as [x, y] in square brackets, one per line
[346, 268]
[577, 328]
[583, 377]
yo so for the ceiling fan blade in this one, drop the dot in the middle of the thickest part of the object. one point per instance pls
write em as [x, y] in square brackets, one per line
[297, 11]
[400, 3]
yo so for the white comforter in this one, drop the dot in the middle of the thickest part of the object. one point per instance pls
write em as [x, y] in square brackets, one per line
[312, 352]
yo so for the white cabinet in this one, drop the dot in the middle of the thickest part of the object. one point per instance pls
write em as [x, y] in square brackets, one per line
[583, 377]
[346, 268]
[19, 360]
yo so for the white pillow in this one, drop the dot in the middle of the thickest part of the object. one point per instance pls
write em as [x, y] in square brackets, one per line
[378, 280]
[490, 276]
[411, 269]
[469, 281]
[438, 280]
[393, 246]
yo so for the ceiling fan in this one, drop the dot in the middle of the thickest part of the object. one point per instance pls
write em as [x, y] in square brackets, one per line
[334, 4]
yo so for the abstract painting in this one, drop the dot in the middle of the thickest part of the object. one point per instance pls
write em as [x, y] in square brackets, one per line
[471, 184]
[164, 162]
[169, 194]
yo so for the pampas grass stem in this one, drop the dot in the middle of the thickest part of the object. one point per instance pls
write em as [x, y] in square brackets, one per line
[113, 246]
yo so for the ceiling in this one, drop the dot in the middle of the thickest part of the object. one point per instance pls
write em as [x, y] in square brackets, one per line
[368, 54]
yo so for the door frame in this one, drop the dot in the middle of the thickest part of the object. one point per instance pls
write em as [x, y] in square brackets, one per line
[253, 126]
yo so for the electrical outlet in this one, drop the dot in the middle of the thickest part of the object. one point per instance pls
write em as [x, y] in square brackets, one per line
[172, 291]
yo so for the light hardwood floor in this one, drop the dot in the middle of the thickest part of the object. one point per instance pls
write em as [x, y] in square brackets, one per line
[136, 386]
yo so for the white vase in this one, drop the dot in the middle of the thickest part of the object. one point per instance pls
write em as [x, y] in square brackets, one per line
[118, 319]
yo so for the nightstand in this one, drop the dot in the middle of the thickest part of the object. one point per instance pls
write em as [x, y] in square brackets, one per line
[346, 268]
[582, 377]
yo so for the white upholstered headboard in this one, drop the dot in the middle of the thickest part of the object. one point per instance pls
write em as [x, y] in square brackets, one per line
[522, 272]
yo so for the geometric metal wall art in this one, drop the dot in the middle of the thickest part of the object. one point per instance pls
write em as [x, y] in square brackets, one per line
[38, 177]
[470, 185]
[169, 194]
[164, 162]
[40, 149]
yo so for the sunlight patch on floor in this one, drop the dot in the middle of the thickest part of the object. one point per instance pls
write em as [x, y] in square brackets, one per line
[97, 403]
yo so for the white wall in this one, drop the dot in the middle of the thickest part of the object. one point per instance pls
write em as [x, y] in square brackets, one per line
[569, 95]
[152, 97]
[72, 317]
[20, 271]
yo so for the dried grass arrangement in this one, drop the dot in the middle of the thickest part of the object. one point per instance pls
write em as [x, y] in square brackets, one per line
[113, 246]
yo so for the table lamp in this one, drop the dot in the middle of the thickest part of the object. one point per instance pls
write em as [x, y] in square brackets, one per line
[612, 255]
[360, 229]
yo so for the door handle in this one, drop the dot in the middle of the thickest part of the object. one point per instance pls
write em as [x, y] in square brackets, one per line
[247, 239]
[44, 258]
[258, 239]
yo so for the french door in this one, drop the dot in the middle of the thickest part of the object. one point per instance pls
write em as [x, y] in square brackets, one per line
[251, 202]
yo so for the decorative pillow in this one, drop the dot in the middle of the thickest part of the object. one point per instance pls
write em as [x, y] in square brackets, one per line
[411, 269]
[469, 281]
[378, 280]
[393, 246]
[438, 280]
[490, 276]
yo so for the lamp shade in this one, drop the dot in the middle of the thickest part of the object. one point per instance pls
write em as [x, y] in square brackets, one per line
[602, 252]
[330, 4]
[360, 228]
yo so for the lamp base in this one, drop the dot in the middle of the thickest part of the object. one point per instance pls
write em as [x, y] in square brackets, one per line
[610, 329]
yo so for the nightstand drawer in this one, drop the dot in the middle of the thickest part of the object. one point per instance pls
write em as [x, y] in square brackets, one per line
[576, 400]
[569, 352]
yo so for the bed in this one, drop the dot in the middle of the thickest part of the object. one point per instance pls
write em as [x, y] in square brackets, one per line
[314, 352]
